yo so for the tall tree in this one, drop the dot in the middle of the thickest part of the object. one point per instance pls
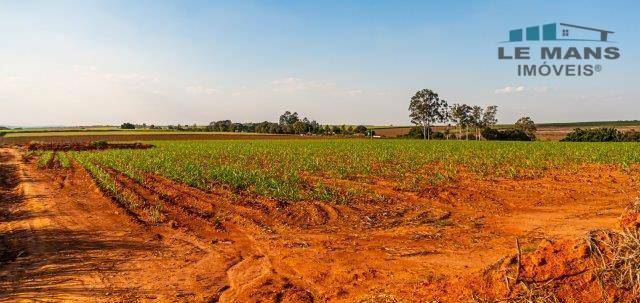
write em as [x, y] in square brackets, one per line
[288, 118]
[460, 114]
[476, 119]
[489, 116]
[426, 108]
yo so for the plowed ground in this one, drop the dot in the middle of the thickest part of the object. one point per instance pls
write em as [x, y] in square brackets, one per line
[62, 239]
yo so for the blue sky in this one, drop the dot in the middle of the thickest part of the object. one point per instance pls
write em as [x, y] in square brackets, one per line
[102, 62]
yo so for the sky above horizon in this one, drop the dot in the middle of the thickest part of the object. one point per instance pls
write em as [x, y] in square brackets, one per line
[338, 62]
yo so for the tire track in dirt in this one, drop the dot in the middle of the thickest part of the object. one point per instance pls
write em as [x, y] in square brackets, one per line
[30, 229]
[71, 244]
[10, 195]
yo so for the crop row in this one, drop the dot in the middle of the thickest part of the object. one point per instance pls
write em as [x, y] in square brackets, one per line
[306, 169]
[50, 158]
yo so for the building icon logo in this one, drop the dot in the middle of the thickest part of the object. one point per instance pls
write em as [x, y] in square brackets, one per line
[536, 52]
[559, 32]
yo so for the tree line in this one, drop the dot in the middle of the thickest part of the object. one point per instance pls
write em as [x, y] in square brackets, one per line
[604, 134]
[426, 109]
[288, 123]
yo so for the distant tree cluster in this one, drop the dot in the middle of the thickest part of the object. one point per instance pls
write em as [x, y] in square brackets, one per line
[127, 125]
[505, 135]
[523, 130]
[467, 116]
[288, 123]
[426, 109]
[527, 126]
[602, 135]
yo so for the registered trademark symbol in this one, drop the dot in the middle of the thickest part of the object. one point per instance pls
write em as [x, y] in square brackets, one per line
[598, 67]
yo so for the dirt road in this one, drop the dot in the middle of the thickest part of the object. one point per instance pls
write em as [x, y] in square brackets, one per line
[65, 242]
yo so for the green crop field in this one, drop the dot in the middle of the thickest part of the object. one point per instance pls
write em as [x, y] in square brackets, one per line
[308, 169]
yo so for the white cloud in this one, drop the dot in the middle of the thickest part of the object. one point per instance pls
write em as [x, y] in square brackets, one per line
[354, 93]
[85, 69]
[513, 89]
[509, 90]
[243, 92]
[292, 85]
[89, 71]
[199, 90]
[129, 78]
[131, 81]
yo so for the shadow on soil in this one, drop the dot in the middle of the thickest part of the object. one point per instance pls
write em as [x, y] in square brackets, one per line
[48, 263]
[60, 257]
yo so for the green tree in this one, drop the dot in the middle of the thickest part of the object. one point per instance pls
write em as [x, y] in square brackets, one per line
[299, 127]
[127, 125]
[288, 118]
[526, 125]
[476, 119]
[460, 114]
[489, 116]
[360, 129]
[426, 108]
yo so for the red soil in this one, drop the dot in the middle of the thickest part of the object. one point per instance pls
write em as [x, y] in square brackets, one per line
[446, 244]
[84, 146]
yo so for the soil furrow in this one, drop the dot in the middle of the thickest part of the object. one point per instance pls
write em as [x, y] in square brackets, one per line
[181, 217]
[255, 272]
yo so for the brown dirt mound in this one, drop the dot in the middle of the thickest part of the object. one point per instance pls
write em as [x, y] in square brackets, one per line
[96, 145]
[602, 267]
